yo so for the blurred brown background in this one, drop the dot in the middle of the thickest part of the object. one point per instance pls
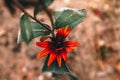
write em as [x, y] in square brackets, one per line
[97, 58]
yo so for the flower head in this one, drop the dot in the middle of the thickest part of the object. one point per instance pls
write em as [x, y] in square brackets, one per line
[58, 47]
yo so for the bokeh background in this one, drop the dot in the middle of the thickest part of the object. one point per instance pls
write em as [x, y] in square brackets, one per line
[97, 57]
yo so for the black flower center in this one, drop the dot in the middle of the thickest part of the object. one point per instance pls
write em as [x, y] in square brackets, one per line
[57, 43]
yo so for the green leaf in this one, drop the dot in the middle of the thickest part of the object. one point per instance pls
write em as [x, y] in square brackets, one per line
[70, 76]
[25, 29]
[55, 74]
[37, 10]
[40, 8]
[54, 68]
[38, 30]
[30, 30]
[68, 16]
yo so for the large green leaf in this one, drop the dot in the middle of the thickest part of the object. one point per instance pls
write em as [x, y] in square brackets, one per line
[30, 30]
[40, 7]
[68, 16]
[38, 30]
[70, 76]
[25, 29]
[54, 68]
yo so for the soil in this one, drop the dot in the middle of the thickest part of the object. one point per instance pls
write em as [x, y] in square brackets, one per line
[100, 28]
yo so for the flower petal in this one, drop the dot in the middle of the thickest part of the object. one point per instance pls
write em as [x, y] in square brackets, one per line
[64, 55]
[66, 31]
[43, 53]
[59, 32]
[51, 58]
[59, 60]
[71, 44]
[69, 49]
[63, 33]
[43, 44]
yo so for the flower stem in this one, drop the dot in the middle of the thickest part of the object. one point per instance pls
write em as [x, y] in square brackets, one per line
[48, 13]
[50, 17]
[22, 9]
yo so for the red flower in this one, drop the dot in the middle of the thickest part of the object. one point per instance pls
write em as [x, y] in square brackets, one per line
[57, 48]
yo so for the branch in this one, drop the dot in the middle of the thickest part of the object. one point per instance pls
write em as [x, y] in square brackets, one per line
[50, 17]
[22, 9]
[48, 13]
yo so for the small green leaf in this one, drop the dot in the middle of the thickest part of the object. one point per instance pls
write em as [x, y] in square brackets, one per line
[38, 30]
[37, 10]
[25, 29]
[40, 8]
[68, 16]
[55, 74]
[70, 76]
[54, 68]
[30, 30]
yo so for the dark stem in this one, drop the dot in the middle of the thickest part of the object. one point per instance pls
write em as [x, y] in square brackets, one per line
[22, 9]
[50, 17]
[51, 20]
[48, 12]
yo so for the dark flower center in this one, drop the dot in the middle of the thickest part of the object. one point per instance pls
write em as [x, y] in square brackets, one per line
[58, 43]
